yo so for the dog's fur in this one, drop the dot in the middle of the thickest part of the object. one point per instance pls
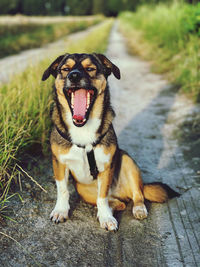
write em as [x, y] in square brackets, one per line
[84, 143]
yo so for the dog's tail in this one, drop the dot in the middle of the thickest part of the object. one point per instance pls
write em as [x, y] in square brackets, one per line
[158, 192]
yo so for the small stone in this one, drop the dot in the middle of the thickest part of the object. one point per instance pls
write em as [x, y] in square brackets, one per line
[28, 186]
[183, 212]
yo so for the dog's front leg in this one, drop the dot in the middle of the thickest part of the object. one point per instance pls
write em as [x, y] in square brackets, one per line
[105, 214]
[61, 210]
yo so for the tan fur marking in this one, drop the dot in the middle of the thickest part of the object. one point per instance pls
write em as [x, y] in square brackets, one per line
[155, 193]
[106, 176]
[59, 169]
[55, 66]
[69, 63]
[109, 150]
[97, 108]
[64, 103]
[107, 63]
[130, 182]
[116, 204]
[59, 83]
[88, 63]
[88, 192]
[57, 150]
[99, 83]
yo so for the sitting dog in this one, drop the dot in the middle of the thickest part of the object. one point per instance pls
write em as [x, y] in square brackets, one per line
[84, 143]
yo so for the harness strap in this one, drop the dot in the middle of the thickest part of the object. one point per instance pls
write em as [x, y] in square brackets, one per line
[92, 163]
[90, 155]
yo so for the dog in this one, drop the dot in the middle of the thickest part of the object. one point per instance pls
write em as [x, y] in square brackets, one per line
[84, 143]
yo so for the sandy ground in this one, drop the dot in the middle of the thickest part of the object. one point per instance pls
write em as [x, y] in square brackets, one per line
[148, 110]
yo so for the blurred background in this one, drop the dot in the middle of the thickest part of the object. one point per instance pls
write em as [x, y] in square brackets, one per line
[75, 7]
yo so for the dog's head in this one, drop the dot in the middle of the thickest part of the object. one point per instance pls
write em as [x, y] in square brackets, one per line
[81, 78]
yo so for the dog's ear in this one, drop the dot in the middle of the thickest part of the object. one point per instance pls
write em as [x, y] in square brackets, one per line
[52, 69]
[110, 67]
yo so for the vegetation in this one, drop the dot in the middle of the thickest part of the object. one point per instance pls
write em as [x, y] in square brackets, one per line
[17, 37]
[170, 36]
[75, 7]
[25, 108]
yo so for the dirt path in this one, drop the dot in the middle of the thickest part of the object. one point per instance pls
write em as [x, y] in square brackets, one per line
[148, 111]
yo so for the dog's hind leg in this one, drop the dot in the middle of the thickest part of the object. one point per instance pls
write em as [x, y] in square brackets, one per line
[89, 193]
[116, 204]
[129, 186]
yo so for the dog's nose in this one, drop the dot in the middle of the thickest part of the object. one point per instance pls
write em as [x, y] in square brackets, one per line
[75, 76]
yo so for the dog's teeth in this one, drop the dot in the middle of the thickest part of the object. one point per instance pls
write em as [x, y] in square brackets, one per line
[72, 99]
[88, 100]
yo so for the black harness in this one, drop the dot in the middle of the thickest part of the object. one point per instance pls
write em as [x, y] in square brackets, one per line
[90, 155]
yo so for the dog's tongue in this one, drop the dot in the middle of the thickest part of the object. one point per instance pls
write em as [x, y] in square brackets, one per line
[80, 104]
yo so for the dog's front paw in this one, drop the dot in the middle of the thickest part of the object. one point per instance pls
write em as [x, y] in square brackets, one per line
[59, 215]
[108, 223]
[140, 212]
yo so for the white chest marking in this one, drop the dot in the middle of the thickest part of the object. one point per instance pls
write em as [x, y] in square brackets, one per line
[77, 161]
[83, 135]
[101, 158]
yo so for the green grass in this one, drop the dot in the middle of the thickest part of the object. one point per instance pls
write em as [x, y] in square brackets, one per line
[25, 107]
[17, 37]
[169, 36]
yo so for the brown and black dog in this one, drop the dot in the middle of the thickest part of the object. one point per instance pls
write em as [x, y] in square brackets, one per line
[84, 143]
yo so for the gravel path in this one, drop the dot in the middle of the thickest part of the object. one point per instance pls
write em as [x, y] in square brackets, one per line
[148, 112]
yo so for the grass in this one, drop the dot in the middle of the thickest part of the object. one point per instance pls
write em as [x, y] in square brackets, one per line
[17, 37]
[25, 107]
[168, 35]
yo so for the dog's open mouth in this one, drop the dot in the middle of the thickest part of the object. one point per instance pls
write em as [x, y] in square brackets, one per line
[80, 101]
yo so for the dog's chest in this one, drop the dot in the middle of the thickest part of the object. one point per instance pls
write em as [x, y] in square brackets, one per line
[77, 162]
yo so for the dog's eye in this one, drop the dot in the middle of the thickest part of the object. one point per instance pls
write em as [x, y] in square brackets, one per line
[90, 69]
[66, 69]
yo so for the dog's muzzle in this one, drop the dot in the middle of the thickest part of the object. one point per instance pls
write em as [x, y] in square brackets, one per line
[75, 76]
[80, 101]
[80, 96]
